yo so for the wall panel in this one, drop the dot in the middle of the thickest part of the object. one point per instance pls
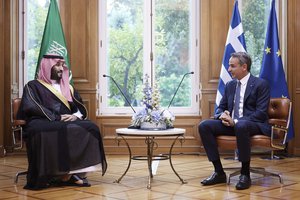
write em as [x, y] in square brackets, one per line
[293, 68]
[108, 125]
[215, 20]
[80, 22]
[2, 38]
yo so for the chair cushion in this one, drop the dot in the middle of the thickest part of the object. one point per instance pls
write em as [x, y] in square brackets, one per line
[226, 142]
[261, 141]
[229, 142]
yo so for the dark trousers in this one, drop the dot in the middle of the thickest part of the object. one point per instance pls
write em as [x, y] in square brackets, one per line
[243, 130]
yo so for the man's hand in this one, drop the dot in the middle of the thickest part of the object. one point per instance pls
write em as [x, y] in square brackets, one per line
[226, 119]
[67, 118]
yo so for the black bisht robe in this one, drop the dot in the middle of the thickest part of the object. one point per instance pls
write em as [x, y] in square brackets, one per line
[55, 147]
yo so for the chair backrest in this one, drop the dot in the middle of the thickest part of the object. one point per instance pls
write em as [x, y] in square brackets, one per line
[279, 112]
[16, 124]
[279, 117]
[15, 107]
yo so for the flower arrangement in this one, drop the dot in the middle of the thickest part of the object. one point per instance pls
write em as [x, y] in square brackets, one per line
[151, 116]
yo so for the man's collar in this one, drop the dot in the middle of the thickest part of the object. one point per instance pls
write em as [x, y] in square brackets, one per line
[245, 79]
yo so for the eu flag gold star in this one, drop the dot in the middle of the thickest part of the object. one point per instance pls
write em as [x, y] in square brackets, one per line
[278, 53]
[268, 50]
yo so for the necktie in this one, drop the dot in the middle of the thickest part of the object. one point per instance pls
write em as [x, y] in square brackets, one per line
[237, 100]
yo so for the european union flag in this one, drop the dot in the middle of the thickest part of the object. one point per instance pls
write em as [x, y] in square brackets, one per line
[272, 68]
[235, 43]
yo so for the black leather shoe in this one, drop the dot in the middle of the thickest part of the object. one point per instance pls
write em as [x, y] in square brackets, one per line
[215, 178]
[244, 183]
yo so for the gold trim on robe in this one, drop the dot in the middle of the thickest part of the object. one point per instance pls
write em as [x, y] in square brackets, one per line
[56, 93]
[72, 92]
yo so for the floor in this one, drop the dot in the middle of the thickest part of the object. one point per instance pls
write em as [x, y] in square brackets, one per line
[165, 184]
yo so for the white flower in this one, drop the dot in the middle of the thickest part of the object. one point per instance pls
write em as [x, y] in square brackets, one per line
[152, 111]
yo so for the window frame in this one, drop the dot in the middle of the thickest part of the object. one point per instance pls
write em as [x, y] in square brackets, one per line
[23, 46]
[102, 85]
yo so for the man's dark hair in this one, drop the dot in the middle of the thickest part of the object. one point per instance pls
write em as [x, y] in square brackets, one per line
[244, 58]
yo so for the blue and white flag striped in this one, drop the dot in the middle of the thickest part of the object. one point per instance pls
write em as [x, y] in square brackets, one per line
[235, 43]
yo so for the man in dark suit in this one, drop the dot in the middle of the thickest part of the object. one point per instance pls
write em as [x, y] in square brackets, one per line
[242, 112]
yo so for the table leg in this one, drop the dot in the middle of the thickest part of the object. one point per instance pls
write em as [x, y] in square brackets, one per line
[129, 162]
[170, 159]
[150, 145]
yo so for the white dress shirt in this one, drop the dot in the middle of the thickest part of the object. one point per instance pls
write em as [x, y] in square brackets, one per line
[244, 82]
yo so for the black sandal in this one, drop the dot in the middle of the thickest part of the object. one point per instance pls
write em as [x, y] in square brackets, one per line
[73, 179]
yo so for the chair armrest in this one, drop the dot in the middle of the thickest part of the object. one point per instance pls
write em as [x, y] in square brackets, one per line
[18, 122]
[278, 137]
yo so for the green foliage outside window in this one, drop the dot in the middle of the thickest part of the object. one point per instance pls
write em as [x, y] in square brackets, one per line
[255, 15]
[36, 17]
[125, 51]
[171, 50]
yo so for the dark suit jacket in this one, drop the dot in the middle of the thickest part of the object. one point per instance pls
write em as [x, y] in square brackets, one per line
[256, 102]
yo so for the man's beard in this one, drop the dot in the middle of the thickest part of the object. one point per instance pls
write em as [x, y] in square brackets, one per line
[55, 75]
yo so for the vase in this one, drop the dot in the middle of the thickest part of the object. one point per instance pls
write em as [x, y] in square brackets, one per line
[153, 126]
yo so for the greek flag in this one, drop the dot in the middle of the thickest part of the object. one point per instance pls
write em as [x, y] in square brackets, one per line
[235, 43]
[272, 67]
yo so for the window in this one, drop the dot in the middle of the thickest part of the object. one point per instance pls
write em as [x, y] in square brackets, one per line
[157, 38]
[34, 22]
[255, 16]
